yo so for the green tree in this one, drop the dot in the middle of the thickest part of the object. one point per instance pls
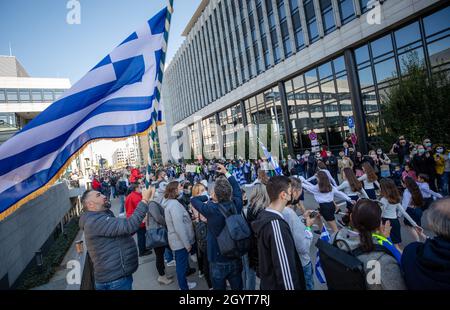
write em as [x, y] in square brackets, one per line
[417, 106]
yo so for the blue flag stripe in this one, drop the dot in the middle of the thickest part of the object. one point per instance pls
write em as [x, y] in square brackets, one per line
[24, 188]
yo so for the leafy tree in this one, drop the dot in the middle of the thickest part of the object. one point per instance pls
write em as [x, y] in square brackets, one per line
[417, 106]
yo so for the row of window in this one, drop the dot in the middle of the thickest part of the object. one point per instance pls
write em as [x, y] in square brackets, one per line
[14, 95]
[319, 98]
[241, 39]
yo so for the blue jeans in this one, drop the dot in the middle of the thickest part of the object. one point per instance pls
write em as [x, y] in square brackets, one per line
[248, 274]
[141, 239]
[182, 260]
[123, 284]
[231, 271]
[444, 182]
[309, 280]
[122, 203]
[168, 255]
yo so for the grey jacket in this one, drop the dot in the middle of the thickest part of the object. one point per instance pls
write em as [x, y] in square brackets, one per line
[390, 273]
[110, 243]
[179, 225]
[155, 218]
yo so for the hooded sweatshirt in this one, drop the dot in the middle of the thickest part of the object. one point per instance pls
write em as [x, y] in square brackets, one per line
[279, 264]
[427, 265]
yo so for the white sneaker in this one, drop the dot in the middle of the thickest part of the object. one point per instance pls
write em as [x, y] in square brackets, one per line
[200, 274]
[192, 285]
[172, 263]
[194, 258]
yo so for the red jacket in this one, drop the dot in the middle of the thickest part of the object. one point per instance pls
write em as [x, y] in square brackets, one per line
[96, 185]
[131, 204]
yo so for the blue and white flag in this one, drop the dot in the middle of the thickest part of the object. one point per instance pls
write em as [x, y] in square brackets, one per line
[325, 236]
[115, 99]
[270, 159]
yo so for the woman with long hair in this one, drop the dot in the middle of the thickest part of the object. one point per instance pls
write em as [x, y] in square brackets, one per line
[412, 203]
[258, 200]
[370, 179]
[390, 205]
[368, 239]
[200, 228]
[180, 232]
[324, 194]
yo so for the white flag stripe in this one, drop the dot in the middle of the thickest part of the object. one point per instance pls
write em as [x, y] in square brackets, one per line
[105, 119]
[98, 76]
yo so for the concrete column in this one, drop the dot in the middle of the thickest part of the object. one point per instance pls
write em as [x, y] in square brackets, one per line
[202, 77]
[236, 51]
[226, 35]
[205, 63]
[301, 10]
[357, 7]
[223, 47]
[241, 35]
[194, 74]
[287, 5]
[269, 39]
[319, 20]
[278, 28]
[258, 36]
[219, 51]
[213, 63]
[249, 36]
[336, 13]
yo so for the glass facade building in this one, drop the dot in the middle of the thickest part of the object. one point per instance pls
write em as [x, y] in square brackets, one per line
[296, 66]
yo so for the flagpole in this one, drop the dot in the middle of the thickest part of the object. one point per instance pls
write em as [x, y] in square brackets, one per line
[156, 114]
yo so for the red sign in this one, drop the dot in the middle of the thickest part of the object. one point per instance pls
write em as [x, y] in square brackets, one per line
[354, 138]
[312, 135]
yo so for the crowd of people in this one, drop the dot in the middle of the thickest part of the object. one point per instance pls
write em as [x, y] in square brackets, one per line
[361, 201]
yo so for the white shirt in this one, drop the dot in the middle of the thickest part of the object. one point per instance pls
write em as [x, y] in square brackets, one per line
[332, 181]
[323, 197]
[367, 184]
[426, 191]
[390, 211]
[347, 189]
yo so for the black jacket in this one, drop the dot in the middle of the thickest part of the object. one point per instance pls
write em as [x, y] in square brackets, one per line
[426, 266]
[279, 265]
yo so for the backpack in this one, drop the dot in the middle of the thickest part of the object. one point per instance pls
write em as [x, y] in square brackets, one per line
[234, 239]
[201, 232]
[343, 270]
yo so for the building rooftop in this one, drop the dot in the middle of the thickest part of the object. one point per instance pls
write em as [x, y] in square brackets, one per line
[11, 67]
[195, 17]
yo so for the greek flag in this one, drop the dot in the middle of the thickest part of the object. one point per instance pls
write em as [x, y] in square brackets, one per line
[115, 99]
[325, 236]
[270, 159]
[239, 176]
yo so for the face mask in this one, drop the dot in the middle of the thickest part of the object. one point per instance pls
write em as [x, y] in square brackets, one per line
[421, 151]
[298, 157]
[439, 150]
[379, 152]
[166, 178]
[328, 154]
[427, 144]
[306, 154]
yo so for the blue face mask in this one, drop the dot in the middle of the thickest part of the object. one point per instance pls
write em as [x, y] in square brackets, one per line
[421, 151]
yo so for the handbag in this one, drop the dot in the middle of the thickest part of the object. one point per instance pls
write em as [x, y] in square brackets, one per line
[156, 238]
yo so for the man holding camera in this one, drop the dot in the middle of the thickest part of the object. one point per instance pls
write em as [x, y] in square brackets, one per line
[109, 240]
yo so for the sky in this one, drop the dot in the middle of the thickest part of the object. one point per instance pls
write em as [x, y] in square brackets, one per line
[47, 46]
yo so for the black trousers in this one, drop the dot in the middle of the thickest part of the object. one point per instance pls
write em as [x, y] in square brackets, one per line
[159, 252]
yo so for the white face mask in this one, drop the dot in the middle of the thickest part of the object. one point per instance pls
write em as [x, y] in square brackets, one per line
[298, 157]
